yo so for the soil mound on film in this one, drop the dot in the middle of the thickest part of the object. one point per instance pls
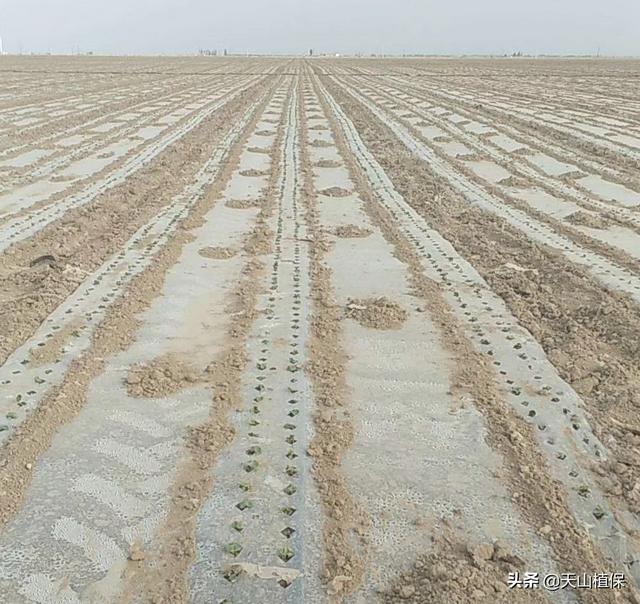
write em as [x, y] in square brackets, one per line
[335, 192]
[160, 378]
[327, 163]
[243, 204]
[351, 231]
[217, 253]
[587, 219]
[376, 313]
[458, 574]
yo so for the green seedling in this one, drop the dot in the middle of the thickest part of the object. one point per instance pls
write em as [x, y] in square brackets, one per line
[288, 532]
[251, 466]
[291, 470]
[285, 554]
[254, 450]
[233, 548]
[245, 504]
[231, 574]
[289, 427]
[290, 440]
[236, 525]
[290, 489]
[291, 454]
[293, 412]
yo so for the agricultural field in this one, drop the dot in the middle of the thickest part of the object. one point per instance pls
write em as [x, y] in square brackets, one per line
[319, 330]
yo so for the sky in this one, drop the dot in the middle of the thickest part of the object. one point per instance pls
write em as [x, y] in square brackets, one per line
[328, 26]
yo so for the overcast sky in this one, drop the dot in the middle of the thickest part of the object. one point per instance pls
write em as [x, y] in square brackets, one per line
[340, 26]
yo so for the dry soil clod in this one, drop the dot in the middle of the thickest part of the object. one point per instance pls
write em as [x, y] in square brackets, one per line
[376, 313]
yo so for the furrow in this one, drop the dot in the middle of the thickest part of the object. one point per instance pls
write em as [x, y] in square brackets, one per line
[481, 140]
[102, 490]
[23, 227]
[561, 205]
[257, 532]
[529, 382]
[610, 274]
[26, 377]
[101, 140]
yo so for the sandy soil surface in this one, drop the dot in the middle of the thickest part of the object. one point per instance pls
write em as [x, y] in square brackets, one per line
[319, 331]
